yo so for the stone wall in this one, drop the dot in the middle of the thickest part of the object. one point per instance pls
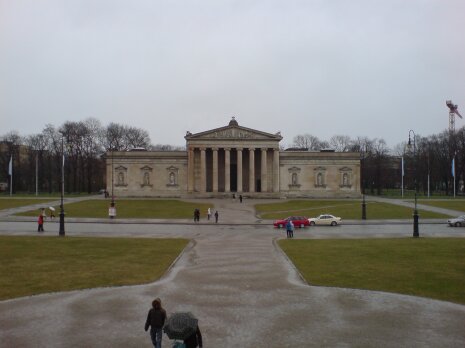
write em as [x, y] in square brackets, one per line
[147, 173]
[319, 174]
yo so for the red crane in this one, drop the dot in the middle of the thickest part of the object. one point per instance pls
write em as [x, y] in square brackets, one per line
[453, 110]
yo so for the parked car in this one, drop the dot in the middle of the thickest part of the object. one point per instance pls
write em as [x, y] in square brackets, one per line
[325, 219]
[457, 222]
[298, 221]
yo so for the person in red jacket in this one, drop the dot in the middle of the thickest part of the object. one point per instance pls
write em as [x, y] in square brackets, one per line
[155, 320]
[40, 222]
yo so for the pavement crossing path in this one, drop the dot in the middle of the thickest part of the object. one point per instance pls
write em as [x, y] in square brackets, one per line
[242, 288]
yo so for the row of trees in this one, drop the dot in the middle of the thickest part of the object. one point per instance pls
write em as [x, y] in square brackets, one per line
[83, 143]
[382, 167]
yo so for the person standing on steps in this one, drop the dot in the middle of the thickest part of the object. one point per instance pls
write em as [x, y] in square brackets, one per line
[216, 216]
[240, 198]
[155, 320]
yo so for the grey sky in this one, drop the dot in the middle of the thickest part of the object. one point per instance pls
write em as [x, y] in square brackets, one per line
[358, 68]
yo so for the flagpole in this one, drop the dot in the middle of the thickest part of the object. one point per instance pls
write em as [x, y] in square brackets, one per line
[37, 173]
[10, 171]
[402, 177]
[453, 172]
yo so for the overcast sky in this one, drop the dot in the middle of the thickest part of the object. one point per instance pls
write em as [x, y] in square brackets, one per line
[323, 67]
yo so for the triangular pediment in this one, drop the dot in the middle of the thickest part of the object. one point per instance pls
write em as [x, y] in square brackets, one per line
[233, 132]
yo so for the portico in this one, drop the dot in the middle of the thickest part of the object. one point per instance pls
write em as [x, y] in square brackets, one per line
[233, 159]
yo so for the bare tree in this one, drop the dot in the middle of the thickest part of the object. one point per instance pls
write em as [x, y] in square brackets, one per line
[309, 142]
[340, 143]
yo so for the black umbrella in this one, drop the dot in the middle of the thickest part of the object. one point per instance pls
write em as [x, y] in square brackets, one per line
[180, 325]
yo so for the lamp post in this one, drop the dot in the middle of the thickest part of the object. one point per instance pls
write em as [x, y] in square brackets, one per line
[112, 182]
[364, 206]
[112, 210]
[415, 211]
[61, 232]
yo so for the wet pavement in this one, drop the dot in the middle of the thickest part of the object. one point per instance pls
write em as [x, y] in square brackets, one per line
[242, 288]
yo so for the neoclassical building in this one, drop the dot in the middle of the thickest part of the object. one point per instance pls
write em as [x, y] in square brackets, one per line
[233, 159]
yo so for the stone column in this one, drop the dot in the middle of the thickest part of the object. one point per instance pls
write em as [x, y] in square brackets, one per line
[239, 169]
[251, 169]
[275, 170]
[190, 166]
[264, 177]
[215, 169]
[203, 170]
[227, 170]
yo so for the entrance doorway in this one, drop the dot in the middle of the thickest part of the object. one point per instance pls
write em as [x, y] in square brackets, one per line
[233, 176]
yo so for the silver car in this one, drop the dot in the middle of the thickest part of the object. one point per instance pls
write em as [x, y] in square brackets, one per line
[457, 222]
[325, 219]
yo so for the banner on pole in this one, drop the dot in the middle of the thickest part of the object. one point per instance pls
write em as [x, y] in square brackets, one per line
[10, 166]
[453, 167]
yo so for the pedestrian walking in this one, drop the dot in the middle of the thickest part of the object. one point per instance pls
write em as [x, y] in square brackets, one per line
[40, 221]
[288, 229]
[216, 216]
[196, 215]
[240, 198]
[209, 213]
[292, 229]
[155, 320]
[194, 340]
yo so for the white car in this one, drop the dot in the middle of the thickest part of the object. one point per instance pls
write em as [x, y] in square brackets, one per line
[325, 219]
[457, 222]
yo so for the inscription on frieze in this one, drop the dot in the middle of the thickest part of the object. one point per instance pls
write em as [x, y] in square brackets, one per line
[232, 133]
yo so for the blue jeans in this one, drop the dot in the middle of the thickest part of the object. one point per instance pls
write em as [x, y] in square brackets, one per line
[155, 335]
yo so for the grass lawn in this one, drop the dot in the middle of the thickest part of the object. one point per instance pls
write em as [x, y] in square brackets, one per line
[137, 208]
[447, 204]
[7, 203]
[347, 209]
[35, 265]
[433, 267]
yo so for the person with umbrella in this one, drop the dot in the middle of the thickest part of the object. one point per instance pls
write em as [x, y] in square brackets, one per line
[155, 320]
[194, 340]
[184, 326]
[52, 212]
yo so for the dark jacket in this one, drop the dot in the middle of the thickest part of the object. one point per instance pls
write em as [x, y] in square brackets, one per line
[194, 340]
[156, 319]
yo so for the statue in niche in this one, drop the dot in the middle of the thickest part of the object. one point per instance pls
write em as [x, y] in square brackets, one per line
[319, 179]
[120, 178]
[146, 178]
[172, 179]
[294, 178]
[345, 179]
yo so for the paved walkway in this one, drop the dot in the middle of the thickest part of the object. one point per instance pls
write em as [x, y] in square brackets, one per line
[245, 293]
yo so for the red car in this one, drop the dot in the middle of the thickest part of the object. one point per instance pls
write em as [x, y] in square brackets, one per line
[298, 221]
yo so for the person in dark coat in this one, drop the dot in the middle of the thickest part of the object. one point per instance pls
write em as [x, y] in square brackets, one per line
[216, 216]
[194, 340]
[155, 320]
[196, 215]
